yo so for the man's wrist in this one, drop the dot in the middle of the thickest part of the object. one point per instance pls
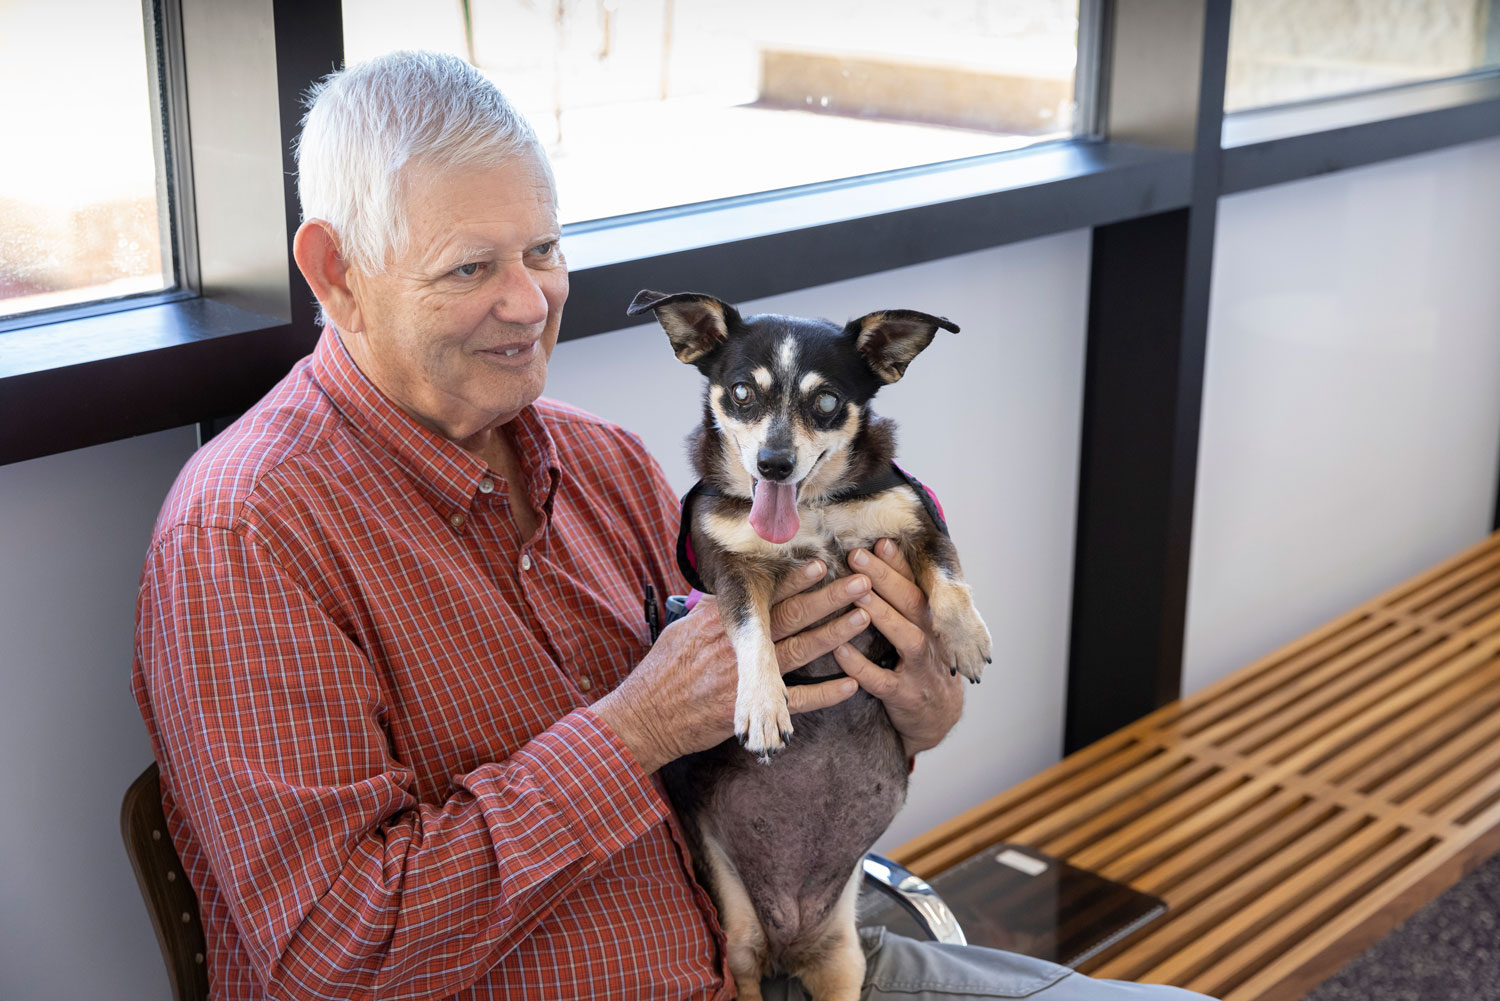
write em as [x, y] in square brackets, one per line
[637, 736]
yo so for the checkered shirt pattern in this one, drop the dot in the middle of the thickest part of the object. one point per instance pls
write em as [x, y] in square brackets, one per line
[369, 698]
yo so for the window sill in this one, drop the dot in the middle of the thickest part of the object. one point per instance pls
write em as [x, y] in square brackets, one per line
[79, 382]
[762, 245]
[1288, 143]
[88, 380]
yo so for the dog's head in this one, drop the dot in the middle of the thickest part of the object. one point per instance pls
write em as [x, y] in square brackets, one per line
[787, 395]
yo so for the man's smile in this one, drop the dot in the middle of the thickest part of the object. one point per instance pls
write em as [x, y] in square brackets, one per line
[512, 354]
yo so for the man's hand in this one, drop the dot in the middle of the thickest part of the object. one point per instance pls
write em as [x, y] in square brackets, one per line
[922, 698]
[680, 699]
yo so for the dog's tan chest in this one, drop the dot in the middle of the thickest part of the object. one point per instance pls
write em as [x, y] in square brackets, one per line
[861, 522]
[829, 528]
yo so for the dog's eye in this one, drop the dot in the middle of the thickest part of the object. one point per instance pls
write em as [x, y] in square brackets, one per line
[826, 403]
[742, 392]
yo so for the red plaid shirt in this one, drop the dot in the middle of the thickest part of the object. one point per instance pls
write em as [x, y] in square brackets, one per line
[369, 697]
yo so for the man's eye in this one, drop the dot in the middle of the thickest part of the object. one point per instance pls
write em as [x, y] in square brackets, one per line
[826, 403]
[467, 270]
[742, 392]
[544, 249]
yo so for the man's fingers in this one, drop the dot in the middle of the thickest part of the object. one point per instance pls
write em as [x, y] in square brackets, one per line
[798, 581]
[866, 673]
[803, 609]
[905, 636]
[900, 591]
[806, 647]
[806, 698]
[891, 554]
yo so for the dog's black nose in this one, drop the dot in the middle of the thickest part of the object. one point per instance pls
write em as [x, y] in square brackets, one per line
[775, 464]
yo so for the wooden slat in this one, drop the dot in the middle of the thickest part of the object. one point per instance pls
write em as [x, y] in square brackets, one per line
[1298, 918]
[1225, 887]
[1315, 878]
[1421, 737]
[1293, 811]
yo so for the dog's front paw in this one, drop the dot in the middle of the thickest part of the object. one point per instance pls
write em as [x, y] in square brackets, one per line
[762, 721]
[963, 640]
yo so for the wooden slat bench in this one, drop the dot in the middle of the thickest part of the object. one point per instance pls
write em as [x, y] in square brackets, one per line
[1294, 812]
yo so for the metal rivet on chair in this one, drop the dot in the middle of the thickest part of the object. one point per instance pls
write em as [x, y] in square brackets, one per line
[156, 835]
[187, 918]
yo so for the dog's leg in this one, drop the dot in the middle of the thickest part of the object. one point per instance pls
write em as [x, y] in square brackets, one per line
[962, 637]
[761, 718]
[835, 968]
[742, 928]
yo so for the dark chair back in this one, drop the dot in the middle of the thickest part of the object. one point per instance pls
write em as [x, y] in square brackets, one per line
[169, 897]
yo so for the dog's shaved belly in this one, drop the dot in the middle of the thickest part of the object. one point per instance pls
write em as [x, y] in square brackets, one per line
[821, 802]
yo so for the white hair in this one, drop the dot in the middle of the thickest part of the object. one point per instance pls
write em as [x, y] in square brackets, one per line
[367, 123]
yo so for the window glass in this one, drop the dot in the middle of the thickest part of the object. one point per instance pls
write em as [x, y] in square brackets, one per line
[1282, 51]
[645, 104]
[80, 214]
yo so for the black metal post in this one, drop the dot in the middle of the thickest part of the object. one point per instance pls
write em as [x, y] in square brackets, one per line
[1143, 392]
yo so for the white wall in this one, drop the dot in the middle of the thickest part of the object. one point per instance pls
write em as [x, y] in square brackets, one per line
[989, 419]
[73, 531]
[1351, 410]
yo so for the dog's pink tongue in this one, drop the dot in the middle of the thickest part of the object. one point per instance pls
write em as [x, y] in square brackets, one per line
[773, 511]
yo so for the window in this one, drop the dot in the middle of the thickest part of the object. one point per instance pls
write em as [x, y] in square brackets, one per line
[644, 105]
[83, 208]
[1282, 51]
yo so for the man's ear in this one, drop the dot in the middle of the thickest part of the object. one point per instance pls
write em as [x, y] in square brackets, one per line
[316, 249]
[695, 323]
[890, 339]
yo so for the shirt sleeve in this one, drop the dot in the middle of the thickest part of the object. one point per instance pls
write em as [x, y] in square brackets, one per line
[340, 882]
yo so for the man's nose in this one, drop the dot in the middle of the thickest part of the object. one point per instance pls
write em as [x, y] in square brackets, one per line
[519, 298]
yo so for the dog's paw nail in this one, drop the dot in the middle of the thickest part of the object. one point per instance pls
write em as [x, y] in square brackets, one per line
[743, 738]
[786, 736]
[989, 660]
[953, 671]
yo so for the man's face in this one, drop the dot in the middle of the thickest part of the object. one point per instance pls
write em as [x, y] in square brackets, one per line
[459, 328]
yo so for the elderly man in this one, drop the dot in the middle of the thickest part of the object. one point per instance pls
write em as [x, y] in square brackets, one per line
[389, 643]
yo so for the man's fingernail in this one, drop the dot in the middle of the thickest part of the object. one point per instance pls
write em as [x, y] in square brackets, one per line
[859, 557]
[857, 585]
[843, 650]
[813, 570]
[860, 618]
[862, 600]
[886, 547]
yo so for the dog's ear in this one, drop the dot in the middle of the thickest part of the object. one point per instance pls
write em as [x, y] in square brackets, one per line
[695, 323]
[890, 339]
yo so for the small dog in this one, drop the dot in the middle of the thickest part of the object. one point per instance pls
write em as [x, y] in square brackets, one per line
[794, 466]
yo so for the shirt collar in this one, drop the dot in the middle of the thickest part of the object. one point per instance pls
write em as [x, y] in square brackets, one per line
[447, 475]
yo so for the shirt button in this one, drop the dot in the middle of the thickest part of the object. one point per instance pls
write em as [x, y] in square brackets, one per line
[457, 519]
[486, 486]
[584, 684]
[525, 561]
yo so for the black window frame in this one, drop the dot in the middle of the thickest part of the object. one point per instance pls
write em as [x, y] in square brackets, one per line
[1147, 185]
